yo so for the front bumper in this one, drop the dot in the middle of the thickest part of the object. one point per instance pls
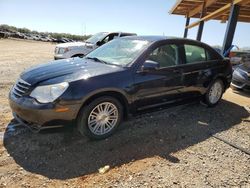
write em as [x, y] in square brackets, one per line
[59, 56]
[29, 112]
[240, 81]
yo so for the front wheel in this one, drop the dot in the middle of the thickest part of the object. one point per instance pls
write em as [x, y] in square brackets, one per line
[214, 93]
[100, 118]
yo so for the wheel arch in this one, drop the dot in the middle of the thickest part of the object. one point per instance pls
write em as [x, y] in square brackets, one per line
[219, 76]
[111, 93]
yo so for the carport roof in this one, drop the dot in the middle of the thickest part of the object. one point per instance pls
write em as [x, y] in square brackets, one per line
[213, 9]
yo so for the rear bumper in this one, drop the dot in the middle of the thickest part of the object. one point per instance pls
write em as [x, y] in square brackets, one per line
[33, 114]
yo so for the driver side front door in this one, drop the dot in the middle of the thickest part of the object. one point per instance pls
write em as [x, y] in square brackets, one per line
[162, 85]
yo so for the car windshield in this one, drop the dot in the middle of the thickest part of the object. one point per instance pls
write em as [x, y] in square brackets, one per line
[119, 52]
[95, 38]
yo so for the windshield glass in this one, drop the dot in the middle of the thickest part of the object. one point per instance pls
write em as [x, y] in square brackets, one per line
[119, 51]
[95, 38]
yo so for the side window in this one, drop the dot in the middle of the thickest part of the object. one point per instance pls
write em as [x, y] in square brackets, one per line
[211, 55]
[109, 38]
[166, 55]
[105, 40]
[194, 54]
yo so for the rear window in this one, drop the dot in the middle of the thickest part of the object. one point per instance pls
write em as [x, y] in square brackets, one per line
[194, 54]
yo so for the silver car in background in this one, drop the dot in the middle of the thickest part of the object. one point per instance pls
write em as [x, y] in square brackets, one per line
[80, 49]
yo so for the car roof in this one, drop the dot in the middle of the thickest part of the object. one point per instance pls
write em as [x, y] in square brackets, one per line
[147, 38]
[155, 38]
[120, 32]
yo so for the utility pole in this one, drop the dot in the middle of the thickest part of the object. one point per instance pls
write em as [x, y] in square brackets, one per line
[84, 29]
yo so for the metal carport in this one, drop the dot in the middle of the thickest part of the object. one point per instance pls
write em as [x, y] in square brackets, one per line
[232, 11]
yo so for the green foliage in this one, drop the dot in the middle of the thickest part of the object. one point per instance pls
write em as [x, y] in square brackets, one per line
[8, 28]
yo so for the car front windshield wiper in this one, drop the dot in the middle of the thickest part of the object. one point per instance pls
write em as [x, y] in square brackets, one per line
[99, 60]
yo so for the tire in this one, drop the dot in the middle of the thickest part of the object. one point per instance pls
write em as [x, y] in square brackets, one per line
[214, 93]
[94, 122]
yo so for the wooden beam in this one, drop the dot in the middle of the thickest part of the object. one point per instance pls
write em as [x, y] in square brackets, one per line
[175, 6]
[216, 13]
[198, 9]
[212, 15]
[245, 3]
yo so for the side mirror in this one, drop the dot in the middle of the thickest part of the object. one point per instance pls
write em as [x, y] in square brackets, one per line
[150, 65]
[99, 43]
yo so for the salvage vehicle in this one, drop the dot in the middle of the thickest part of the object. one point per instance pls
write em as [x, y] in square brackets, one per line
[119, 79]
[80, 49]
[241, 75]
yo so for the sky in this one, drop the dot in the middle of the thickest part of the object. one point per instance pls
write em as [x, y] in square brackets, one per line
[144, 17]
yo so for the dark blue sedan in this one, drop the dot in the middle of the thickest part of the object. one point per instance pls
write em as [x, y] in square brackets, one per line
[125, 76]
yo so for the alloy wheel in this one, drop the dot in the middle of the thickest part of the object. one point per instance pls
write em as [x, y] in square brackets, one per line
[215, 92]
[103, 118]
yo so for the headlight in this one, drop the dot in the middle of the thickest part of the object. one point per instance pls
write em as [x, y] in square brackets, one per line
[49, 93]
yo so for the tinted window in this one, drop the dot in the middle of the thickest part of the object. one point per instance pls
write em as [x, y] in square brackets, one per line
[95, 38]
[194, 54]
[127, 34]
[211, 55]
[109, 38]
[166, 55]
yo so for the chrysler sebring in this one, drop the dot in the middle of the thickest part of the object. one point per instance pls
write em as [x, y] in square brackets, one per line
[122, 77]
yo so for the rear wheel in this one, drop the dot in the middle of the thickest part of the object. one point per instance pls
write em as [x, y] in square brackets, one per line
[214, 93]
[100, 118]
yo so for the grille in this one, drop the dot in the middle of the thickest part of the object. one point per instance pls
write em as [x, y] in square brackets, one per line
[20, 88]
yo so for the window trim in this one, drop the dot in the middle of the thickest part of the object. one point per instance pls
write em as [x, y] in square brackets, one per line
[163, 43]
[208, 49]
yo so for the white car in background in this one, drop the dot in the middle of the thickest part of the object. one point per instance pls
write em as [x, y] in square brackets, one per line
[80, 49]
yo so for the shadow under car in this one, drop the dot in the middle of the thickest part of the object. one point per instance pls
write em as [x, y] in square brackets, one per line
[66, 154]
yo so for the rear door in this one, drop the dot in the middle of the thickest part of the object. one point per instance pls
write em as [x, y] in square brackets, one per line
[198, 69]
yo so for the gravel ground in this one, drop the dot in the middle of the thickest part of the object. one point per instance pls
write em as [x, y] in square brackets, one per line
[175, 147]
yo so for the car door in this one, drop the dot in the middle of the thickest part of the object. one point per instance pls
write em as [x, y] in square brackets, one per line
[197, 70]
[161, 85]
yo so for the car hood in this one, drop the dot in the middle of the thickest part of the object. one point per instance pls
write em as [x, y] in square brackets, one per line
[70, 44]
[245, 66]
[72, 69]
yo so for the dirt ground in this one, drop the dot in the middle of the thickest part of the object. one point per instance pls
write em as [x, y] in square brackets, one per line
[175, 147]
